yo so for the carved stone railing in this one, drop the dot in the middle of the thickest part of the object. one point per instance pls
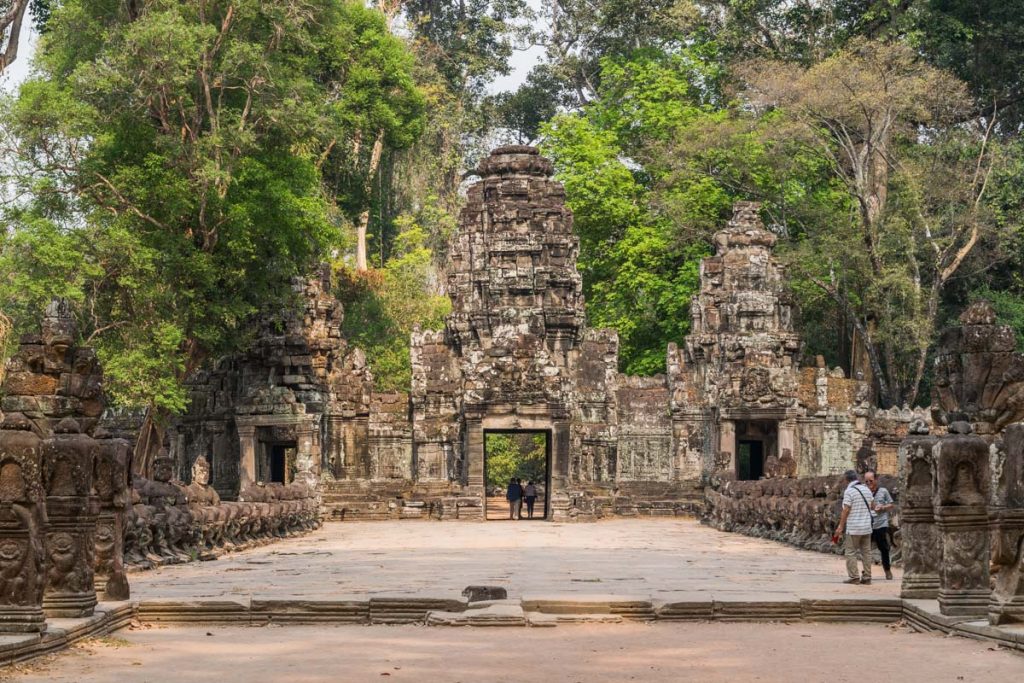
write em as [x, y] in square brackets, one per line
[173, 523]
[801, 512]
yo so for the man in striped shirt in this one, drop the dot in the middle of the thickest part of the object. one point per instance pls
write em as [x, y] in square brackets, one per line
[855, 520]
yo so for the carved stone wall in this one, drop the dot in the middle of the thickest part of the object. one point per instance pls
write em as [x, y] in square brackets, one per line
[299, 387]
[975, 524]
[516, 354]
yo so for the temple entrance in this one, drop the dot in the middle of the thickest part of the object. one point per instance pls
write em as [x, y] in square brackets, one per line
[756, 441]
[277, 463]
[517, 454]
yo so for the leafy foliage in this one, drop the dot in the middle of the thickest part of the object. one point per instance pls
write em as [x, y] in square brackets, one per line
[170, 154]
[383, 306]
[523, 456]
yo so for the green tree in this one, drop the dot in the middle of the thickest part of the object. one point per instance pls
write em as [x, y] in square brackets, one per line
[920, 208]
[172, 150]
[522, 456]
[376, 105]
[384, 306]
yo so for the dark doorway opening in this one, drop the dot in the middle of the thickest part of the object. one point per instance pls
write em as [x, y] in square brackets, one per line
[756, 441]
[517, 454]
[750, 460]
[276, 462]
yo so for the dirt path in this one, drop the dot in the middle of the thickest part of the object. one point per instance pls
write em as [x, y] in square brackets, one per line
[662, 653]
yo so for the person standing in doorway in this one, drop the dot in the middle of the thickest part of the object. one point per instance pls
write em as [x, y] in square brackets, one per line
[514, 496]
[530, 493]
[880, 524]
[855, 521]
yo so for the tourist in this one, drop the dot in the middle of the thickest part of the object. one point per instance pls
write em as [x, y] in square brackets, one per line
[514, 495]
[855, 522]
[880, 524]
[531, 498]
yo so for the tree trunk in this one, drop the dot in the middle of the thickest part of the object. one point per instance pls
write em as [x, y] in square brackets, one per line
[364, 217]
[364, 221]
[14, 17]
[151, 440]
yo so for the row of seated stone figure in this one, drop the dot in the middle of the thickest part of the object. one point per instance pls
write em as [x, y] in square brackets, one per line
[69, 520]
[170, 522]
[801, 512]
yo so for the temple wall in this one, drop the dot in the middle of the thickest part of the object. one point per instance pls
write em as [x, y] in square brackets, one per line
[516, 354]
[645, 450]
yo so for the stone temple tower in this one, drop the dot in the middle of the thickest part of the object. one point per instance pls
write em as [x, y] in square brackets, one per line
[742, 353]
[512, 353]
[513, 278]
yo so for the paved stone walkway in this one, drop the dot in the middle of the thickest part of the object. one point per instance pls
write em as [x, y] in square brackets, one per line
[662, 653]
[671, 559]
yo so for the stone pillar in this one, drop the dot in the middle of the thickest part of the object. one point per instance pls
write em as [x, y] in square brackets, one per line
[334, 448]
[72, 508]
[113, 489]
[787, 437]
[961, 512]
[921, 545]
[22, 528]
[727, 444]
[1006, 604]
[307, 465]
[475, 455]
[247, 456]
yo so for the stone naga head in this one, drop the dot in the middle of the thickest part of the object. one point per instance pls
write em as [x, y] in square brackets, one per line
[201, 471]
[163, 466]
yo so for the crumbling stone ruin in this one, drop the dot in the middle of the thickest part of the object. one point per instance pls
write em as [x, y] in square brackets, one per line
[288, 409]
[72, 520]
[52, 394]
[516, 354]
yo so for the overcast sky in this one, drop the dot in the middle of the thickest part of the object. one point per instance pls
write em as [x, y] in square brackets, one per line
[19, 70]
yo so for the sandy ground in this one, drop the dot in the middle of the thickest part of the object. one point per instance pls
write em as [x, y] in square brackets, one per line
[658, 653]
[652, 558]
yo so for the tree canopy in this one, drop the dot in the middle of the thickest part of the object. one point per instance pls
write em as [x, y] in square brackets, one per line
[170, 166]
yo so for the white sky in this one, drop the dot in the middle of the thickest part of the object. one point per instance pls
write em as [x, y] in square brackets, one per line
[521, 62]
[26, 48]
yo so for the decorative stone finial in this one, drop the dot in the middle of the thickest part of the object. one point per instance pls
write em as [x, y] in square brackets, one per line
[515, 160]
[745, 229]
[59, 328]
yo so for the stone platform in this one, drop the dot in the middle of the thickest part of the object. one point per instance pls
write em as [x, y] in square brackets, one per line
[661, 560]
[612, 572]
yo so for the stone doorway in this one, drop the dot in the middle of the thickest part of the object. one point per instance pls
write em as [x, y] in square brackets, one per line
[756, 441]
[521, 453]
[277, 462]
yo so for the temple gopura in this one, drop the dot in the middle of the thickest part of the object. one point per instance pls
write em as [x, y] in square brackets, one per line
[516, 354]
